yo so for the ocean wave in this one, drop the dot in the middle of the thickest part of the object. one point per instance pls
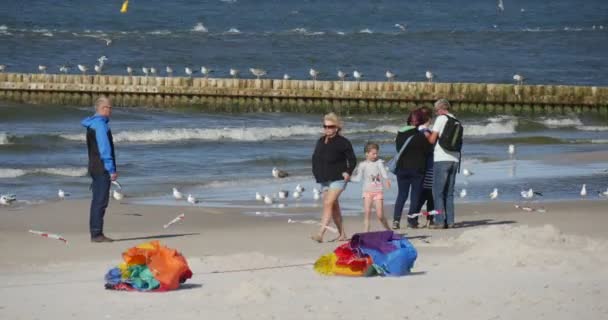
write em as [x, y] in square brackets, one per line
[366, 30]
[199, 27]
[599, 141]
[211, 134]
[67, 172]
[233, 31]
[491, 128]
[561, 122]
[592, 128]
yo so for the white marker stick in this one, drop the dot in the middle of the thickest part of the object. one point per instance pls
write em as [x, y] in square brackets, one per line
[49, 235]
[177, 219]
[424, 213]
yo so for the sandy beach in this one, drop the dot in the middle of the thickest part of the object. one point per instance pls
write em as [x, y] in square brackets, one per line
[500, 263]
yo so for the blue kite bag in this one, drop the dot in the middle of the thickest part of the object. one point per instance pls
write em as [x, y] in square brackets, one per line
[396, 263]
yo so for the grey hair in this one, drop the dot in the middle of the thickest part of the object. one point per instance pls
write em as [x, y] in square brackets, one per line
[100, 100]
[442, 104]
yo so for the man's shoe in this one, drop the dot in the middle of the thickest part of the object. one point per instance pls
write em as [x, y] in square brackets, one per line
[396, 225]
[101, 238]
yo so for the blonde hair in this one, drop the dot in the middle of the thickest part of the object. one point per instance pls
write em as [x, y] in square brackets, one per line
[332, 117]
[100, 100]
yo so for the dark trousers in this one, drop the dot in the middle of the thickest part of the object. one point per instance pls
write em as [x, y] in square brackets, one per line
[101, 194]
[407, 178]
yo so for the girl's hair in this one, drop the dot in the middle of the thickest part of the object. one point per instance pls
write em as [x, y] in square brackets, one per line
[332, 117]
[371, 146]
[416, 118]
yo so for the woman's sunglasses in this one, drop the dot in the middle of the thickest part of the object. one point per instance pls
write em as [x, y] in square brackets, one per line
[329, 127]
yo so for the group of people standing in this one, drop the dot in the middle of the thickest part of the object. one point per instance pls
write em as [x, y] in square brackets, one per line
[425, 170]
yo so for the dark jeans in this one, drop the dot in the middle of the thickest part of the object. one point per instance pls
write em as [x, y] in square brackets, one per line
[443, 190]
[426, 196]
[407, 178]
[101, 194]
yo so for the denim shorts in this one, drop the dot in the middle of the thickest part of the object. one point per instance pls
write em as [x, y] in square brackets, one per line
[336, 185]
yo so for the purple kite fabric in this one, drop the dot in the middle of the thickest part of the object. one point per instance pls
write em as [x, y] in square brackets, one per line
[380, 240]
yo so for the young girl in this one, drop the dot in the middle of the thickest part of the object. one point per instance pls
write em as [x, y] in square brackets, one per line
[372, 172]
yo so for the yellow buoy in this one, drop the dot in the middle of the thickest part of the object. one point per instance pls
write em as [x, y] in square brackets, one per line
[125, 7]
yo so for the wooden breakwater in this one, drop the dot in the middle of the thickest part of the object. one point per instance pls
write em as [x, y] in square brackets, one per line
[243, 95]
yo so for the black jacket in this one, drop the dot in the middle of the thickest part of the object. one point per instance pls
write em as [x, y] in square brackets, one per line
[415, 154]
[96, 165]
[333, 158]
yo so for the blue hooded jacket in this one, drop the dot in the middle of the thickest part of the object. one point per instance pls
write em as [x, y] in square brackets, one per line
[99, 125]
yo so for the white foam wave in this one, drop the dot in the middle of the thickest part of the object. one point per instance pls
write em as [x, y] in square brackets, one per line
[3, 27]
[67, 172]
[212, 134]
[366, 30]
[599, 141]
[588, 128]
[490, 128]
[160, 32]
[4, 138]
[200, 27]
[233, 31]
[561, 123]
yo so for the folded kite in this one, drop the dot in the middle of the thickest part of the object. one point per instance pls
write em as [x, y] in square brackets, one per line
[149, 267]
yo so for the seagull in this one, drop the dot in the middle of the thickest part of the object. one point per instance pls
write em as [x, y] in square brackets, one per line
[299, 188]
[153, 71]
[519, 79]
[494, 194]
[501, 6]
[279, 173]
[467, 172]
[286, 77]
[463, 193]
[313, 73]
[357, 75]
[2, 67]
[429, 76]
[64, 69]
[401, 27]
[117, 195]
[258, 72]
[108, 42]
[102, 60]
[511, 149]
[530, 194]
[297, 195]
[234, 73]
[604, 194]
[188, 71]
[83, 69]
[206, 71]
[316, 194]
[192, 199]
[130, 71]
[7, 199]
[169, 71]
[177, 195]
[584, 190]
[145, 70]
[42, 68]
[390, 76]
[98, 69]
[62, 194]
[258, 197]
[267, 199]
[342, 75]
[283, 194]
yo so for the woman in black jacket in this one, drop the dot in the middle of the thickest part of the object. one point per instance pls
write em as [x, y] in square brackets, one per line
[333, 161]
[410, 167]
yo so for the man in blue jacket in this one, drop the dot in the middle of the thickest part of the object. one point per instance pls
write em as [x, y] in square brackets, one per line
[102, 164]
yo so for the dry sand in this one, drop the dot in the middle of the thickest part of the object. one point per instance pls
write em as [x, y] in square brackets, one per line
[501, 263]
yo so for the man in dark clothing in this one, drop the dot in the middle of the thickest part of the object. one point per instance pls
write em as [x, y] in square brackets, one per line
[102, 164]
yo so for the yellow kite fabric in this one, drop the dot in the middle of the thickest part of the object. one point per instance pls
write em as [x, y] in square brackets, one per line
[125, 7]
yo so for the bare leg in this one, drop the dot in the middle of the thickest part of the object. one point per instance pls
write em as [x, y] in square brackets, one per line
[380, 213]
[367, 209]
[330, 197]
[337, 216]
